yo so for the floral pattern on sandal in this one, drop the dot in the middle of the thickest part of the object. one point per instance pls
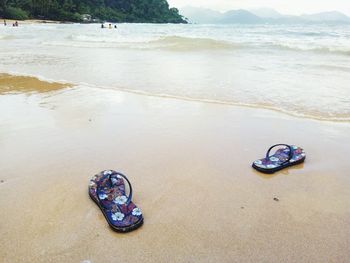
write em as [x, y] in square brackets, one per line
[282, 158]
[107, 190]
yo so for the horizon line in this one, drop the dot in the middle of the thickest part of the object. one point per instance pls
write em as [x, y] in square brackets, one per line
[256, 8]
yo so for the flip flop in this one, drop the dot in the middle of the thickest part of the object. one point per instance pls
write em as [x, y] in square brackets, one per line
[282, 158]
[107, 190]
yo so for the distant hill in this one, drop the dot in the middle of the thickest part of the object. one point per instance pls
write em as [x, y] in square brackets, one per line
[333, 16]
[201, 15]
[208, 16]
[259, 16]
[138, 11]
[266, 13]
[239, 16]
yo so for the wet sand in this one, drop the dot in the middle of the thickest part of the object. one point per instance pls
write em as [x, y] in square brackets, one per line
[10, 22]
[189, 164]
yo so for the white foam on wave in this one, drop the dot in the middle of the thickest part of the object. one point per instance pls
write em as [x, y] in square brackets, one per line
[311, 48]
[262, 66]
[7, 37]
[295, 113]
[181, 43]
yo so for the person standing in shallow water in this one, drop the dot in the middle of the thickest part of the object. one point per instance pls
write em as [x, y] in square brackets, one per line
[5, 23]
[110, 26]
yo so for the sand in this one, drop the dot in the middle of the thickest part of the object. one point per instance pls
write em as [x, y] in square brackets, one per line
[10, 22]
[189, 164]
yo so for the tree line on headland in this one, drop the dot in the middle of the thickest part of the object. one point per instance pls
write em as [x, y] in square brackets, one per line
[133, 11]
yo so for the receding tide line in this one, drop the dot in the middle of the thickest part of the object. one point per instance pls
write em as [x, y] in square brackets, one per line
[228, 103]
[65, 84]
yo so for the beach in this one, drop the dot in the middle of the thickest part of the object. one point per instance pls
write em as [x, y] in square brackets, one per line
[190, 167]
[10, 22]
[182, 111]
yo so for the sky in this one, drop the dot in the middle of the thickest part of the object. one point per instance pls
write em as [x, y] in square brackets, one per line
[290, 7]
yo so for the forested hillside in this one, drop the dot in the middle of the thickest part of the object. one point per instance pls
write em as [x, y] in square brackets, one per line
[139, 11]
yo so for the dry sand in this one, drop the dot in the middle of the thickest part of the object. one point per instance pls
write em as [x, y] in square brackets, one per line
[189, 164]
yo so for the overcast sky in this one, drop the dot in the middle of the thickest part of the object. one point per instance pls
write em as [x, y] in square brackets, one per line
[294, 7]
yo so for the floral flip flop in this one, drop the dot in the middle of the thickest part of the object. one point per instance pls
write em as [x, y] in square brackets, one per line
[107, 190]
[282, 158]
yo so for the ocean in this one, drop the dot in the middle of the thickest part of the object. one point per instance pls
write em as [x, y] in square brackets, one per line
[301, 70]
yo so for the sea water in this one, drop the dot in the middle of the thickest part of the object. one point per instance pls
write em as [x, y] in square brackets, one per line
[302, 70]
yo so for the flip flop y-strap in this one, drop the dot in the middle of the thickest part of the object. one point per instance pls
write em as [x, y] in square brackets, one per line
[107, 190]
[282, 158]
[290, 153]
[101, 195]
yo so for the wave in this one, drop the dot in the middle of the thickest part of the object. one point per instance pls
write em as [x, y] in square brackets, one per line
[100, 39]
[298, 33]
[315, 115]
[317, 49]
[334, 68]
[179, 43]
[7, 37]
[166, 43]
[343, 117]
[173, 43]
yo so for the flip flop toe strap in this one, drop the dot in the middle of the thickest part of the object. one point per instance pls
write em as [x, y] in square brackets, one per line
[101, 195]
[290, 153]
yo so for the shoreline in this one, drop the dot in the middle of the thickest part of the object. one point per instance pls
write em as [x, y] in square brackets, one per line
[189, 165]
[181, 98]
[33, 21]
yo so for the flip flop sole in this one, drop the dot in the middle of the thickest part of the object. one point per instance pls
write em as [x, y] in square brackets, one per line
[116, 229]
[273, 170]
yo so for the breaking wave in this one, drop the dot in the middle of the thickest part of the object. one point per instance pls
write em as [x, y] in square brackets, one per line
[6, 37]
[309, 48]
[180, 43]
[172, 43]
